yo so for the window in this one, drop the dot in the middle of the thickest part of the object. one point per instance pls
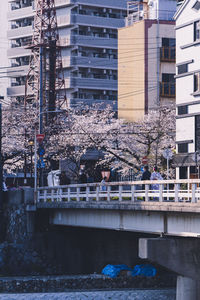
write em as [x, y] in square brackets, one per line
[167, 86]
[197, 82]
[197, 31]
[183, 68]
[183, 148]
[168, 42]
[197, 133]
[182, 110]
[183, 172]
[166, 77]
[168, 52]
[196, 6]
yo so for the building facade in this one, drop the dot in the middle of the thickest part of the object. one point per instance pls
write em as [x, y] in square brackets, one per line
[146, 59]
[4, 46]
[88, 35]
[188, 89]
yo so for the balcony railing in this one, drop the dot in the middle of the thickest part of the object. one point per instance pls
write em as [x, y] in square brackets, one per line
[167, 89]
[167, 54]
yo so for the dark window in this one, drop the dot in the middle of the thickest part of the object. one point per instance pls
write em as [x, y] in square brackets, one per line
[197, 133]
[193, 169]
[196, 82]
[166, 42]
[168, 77]
[197, 31]
[183, 68]
[183, 172]
[182, 110]
[196, 6]
[183, 148]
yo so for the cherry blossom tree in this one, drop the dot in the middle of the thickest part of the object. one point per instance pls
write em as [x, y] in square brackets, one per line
[70, 134]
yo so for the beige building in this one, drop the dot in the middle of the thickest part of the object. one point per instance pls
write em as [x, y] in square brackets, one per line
[146, 60]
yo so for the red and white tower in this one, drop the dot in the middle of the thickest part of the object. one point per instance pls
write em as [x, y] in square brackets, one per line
[45, 85]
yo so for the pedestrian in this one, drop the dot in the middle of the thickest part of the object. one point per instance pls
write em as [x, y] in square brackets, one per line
[64, 180]
[146, 175]
[83, 180]
[103, 187]
[155, 176]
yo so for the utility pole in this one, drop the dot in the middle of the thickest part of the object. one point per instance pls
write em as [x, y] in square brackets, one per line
[1, 158]
[45, 84]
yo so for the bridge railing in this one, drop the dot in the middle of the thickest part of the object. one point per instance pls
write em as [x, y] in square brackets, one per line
[130, 191]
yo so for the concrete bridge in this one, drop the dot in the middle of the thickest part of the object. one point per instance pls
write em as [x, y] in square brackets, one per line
[172, 211]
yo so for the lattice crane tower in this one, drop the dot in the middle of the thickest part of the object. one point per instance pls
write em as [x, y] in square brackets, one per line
[45, 85]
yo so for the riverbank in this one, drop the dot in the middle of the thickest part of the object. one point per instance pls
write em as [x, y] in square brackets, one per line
[42, 284]
[164, 294]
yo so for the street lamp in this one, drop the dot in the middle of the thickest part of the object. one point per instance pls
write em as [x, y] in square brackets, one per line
[31, 144]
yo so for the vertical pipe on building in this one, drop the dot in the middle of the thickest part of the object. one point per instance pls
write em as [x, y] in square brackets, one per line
[158, 56]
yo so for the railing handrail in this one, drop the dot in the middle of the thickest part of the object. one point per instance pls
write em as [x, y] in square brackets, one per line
[145, 182]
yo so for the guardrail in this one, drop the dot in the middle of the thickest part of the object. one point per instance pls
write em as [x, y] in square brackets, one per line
[125, 192]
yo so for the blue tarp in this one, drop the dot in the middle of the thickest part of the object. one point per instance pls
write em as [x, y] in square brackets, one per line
[144, 270]
[114, 270]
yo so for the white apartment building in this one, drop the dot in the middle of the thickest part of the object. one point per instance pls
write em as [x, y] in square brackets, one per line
[3, 48]
[188, 88]
[88, 33]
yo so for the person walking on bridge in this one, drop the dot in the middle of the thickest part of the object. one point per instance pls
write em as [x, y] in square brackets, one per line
[155, 176]
[146, 175]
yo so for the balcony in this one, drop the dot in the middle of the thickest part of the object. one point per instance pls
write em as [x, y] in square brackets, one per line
[18, 52]
[88, 41]
[98, 21]
[91, 62]
[167, 90]
[167, 54]
[16, 91]
[90, 83]
[64, 3]
[120, 4]
[91, 41]
[18, 71]
[20, 13]
[20, 32]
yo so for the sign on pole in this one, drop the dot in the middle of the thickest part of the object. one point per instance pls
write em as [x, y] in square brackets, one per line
[167, 153]
[145, 160]
[40, 137]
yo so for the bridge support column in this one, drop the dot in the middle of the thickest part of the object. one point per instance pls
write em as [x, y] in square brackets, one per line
[187, 288]
[181, 255]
